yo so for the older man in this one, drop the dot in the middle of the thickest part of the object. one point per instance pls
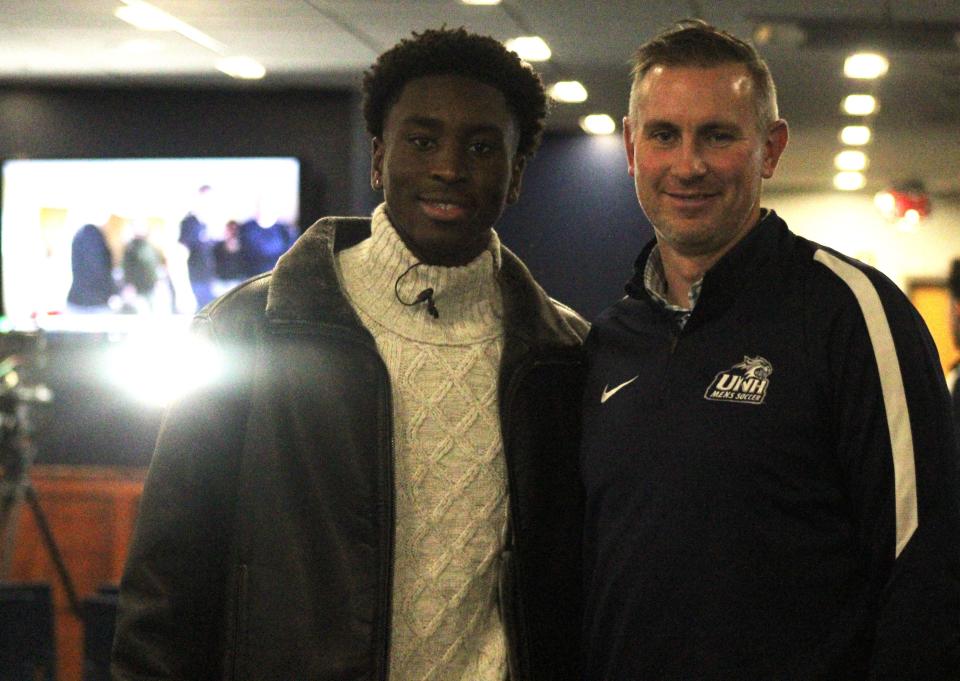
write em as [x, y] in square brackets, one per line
[768, 456]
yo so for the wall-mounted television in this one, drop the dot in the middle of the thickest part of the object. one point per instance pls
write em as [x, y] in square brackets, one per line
[104, 245]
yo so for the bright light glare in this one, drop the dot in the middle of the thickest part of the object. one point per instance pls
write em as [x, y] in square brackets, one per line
[865, 66]
[568, 91]
[156, 369]
[859, 105]
[598, 124]
[850, 159]
[855, 135]
[145, 16]
[885, 202]
[910, 221]
[529, 48]
[849, 181]
[241, 67]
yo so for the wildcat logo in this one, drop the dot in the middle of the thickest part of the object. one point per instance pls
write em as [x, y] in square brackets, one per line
[746, 382]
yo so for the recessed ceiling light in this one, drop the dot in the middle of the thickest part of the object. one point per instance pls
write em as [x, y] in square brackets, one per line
[783, 34]
[241, 67]
[480, 2]
[855, 135]
[849, 181]
[568, 91]
[145, 16]
[850, 159]
[859, 105]
[598, 124]
[529, 48]
[865, 65]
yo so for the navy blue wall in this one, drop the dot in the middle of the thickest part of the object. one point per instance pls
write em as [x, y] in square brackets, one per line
[578, 226]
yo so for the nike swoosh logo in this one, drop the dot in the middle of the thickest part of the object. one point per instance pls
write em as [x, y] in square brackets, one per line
[609, 392]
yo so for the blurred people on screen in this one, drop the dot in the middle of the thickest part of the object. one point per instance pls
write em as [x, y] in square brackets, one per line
[262, 242]
[145, 285]
[92, 267]
[193, 235]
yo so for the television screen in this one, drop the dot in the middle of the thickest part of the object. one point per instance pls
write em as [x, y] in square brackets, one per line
[105, 245]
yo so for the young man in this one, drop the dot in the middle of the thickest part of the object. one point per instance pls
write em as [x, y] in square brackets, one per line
[386, 486]
[768, 456]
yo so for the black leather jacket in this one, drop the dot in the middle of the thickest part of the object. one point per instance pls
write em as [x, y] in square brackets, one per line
[263, 549]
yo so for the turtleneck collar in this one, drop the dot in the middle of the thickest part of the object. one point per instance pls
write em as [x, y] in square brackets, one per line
[467, 297]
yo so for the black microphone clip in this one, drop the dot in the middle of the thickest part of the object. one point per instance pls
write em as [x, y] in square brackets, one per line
[425, 296]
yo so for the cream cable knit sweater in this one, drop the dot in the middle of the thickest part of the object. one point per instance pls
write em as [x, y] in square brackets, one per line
[450, 478]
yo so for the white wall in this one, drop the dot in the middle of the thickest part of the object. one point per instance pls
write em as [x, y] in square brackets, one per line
[851, 224]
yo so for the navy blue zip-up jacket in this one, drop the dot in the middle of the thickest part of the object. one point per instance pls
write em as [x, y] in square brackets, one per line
[772, 491]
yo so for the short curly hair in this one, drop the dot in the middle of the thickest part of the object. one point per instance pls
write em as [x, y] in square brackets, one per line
[445, 51]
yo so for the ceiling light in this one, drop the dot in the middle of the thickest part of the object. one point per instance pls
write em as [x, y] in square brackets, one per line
[859, 105]
[855, 135]
[480, 2]
[865, 66]
[241, 67]
[782, 34]
[850, 159]
[849, 181]
[145, 16]
[598, 124]
[568, 91]
[529, 48]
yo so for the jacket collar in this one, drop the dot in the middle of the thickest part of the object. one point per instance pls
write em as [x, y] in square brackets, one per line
[304, 288]
[723, 282]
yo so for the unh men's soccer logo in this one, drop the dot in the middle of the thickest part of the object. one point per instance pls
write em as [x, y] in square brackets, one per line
[745, 382]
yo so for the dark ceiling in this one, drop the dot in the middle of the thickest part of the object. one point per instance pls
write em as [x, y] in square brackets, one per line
[329, 43]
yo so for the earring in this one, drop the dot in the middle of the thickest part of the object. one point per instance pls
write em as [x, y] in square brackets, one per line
[377, 183]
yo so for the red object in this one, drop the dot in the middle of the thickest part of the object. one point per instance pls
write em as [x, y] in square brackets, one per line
[907, 199]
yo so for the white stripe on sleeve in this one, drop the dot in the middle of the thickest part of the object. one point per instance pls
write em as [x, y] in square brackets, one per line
[894, 399]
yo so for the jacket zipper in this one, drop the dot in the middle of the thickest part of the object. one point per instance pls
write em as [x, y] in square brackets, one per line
[388, 523]
[388, 510]
[516, 667]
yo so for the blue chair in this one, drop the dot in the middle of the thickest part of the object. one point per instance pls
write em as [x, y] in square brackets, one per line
[27, 649]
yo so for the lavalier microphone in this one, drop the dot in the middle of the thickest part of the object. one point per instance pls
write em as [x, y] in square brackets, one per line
[425, 296]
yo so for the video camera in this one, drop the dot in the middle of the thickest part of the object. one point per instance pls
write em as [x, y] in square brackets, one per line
[22, 354]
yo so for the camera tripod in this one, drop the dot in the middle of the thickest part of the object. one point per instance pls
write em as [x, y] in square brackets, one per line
[17, 452]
